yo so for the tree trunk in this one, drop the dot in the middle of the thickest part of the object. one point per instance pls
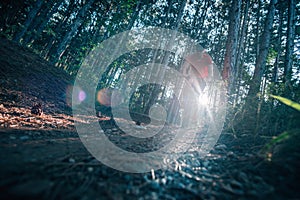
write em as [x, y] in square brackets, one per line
[241, 51]
[49, 49]
[257, 31]
[165, 19]
[134, 15]
[201, 20]
[278, 46]
[252, 100]
[230, 68]
[289, 47]
[165, 58]
[242, 37]
[28, 20]
[177, 24]
[9, 13]
[263, 51]
[40, 27]
[69, 35]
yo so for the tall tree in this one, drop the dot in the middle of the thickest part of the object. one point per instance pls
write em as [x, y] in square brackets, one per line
[278, 42]
[28, 20]
[252, 98]
[241, 50]
[69, 35]
[288, 63]
[57, 26]
[230, 69]
[44, 19]
[166, 56]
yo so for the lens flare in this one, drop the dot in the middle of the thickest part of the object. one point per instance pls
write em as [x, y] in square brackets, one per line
[75, 94]
[204, 99]
[104, 97]
[81, 96]
[196, 82]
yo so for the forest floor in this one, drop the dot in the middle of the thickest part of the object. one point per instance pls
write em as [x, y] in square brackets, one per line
[42, 157]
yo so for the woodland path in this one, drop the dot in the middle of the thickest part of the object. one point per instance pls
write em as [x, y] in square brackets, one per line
[42, 157]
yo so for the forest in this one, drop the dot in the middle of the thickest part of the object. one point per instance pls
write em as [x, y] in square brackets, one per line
[153, 99]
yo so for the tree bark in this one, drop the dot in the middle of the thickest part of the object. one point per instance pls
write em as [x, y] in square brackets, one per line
[165, 58]
[49, 49]
[252, 100]
[289, 47]
[134, 15]
[263, 51]
[28, 20]
[40, 27]
[278, 46]
[241, 42]
[230, 68]
[201, 20]
[257, 30]
[69, 35]
[241, 51]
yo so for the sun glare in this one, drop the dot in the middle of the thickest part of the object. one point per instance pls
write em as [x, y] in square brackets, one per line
[204, 99]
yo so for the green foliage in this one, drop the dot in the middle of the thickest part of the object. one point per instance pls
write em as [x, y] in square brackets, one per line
[50, 31]
[287, 102]
[286, 135]
[271, 56]
[283, 147]
[281, 137]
